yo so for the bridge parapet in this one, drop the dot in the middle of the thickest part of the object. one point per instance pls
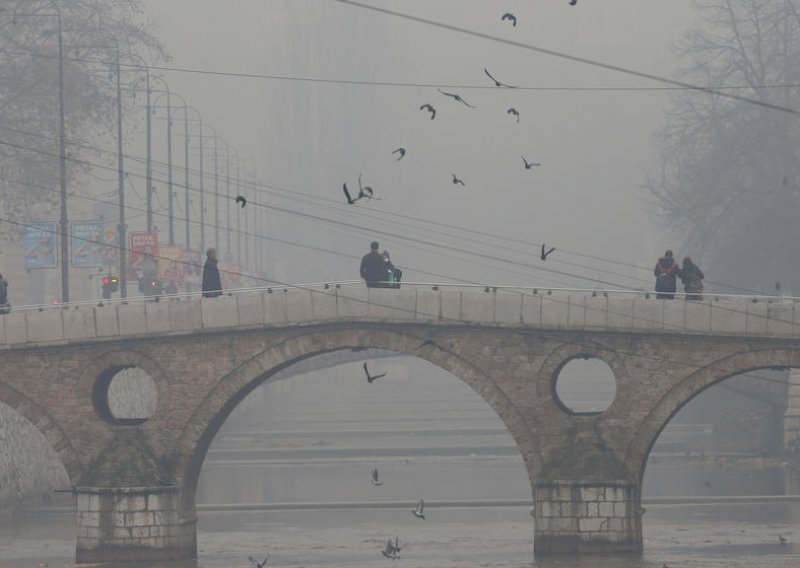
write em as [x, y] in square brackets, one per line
[297, 306]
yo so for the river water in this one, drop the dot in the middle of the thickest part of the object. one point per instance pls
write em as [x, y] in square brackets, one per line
[290, 475]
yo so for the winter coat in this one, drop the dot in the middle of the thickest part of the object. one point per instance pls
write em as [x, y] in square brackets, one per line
[3, 291]
[692, 278]
[666, 273]
[212, 285]
[373, 268]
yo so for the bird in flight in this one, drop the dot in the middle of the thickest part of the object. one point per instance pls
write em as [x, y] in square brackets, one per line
[364, 191]
[349, 197]
[455, 97]
[498, 83]
[514, 112]
[430, 109]
[389, 550]
[419, 511]
[529, 165]
[782, 540]
[456, 180]
[241, 199]
[257, 564]
[371, 378]
[544, 254]
[509, 16]
[402, 152]
[375, 475]
[573, 2]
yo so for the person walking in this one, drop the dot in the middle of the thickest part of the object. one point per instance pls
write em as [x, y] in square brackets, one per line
[212, 285]
[667, 272]
[692, 278]
[373, 267]
[5, 306]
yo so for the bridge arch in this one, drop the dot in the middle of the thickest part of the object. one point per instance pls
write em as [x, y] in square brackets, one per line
[692, 385]
[196, 438]
[47, 425]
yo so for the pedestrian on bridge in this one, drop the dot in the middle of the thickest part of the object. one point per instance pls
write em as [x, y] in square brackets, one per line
[212, 285]
[5, 306]
[373, 267]
[667, 272]
[692, 278]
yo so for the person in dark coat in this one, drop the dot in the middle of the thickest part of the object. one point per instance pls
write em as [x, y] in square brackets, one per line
[667, 272]
[692, 278]
[5, 306]
[212, 285]
[373, 267]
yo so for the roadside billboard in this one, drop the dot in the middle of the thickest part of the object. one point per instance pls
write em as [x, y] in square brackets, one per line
[39, 240]
[171, 259]
[88, 240]
[143, 245]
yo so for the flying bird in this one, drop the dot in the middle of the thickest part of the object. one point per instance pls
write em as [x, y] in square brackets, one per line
[419, 511]
[375, 481]
[349, 197]
[544, 254]
[509, 16]
[389, 550]
[514, 112]
[371, 378]
[456, 180]
[402, 152]
[498, 83]
[782, 540]
[257, 564]
[364, 191]
[241, 199]
[455, 97]
[529, 165]
[573, 2]
[430, 109]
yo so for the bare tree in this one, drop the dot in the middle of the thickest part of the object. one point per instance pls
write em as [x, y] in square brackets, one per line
[29, 123]
[729, 177]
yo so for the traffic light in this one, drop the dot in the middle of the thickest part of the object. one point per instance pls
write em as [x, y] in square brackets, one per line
[110, 285]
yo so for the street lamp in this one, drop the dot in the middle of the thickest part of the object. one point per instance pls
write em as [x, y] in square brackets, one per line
[62, 143]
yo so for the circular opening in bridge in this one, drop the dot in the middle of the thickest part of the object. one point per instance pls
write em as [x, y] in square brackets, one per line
[585, 385]
[125, 396]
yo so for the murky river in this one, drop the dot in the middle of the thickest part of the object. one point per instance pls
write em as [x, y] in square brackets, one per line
[304, 473]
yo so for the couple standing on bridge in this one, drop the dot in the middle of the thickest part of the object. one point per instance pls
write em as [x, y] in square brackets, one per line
[667, 273]
[377, 269]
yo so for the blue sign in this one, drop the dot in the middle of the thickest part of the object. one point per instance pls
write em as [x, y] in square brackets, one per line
[39, 240]
[88, 244]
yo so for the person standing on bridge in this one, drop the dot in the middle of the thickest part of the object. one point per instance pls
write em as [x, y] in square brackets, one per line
[5, 306]
[692, 278]
[373, 267]
[212, 285]
[667, 272]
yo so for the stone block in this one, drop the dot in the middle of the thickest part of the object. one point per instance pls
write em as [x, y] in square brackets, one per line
[532, 309]
[323, 305]
[780, 319]
[674, 315]
[508, 307]
[298, 306]
[576, 311]
[185, 315]
[554, 310]
[451, 305]
[219, 312]
[352, 302]
[545, 510]
[477, 307]
[154, 502]
[648, 315]
[593, 509]
[132, 320]
[698, 315]
[158, 317]
[88, 520]
[275, 307]
[391, 303]
[596, 316]
[728, 317]
[564, 524]
[616, 494]
[606, 509]
[620, 313]
[590, 494]
[44, 326]
[592, 525]
[16, 328]
[757, 314]
[428, 305]
[78, 324]
[250, 309]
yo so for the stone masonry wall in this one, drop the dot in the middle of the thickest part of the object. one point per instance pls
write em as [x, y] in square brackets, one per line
[571, 516]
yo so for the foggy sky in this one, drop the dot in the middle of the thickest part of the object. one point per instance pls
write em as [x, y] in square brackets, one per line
[595, 147]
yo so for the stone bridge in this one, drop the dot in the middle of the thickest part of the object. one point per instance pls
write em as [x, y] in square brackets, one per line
[135, 480]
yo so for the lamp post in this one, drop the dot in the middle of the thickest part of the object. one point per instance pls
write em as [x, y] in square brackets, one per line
[62, 146]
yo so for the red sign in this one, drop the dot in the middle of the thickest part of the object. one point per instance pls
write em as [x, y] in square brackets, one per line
[143, 255]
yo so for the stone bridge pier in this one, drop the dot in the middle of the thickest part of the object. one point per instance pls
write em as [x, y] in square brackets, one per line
[135, 480]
